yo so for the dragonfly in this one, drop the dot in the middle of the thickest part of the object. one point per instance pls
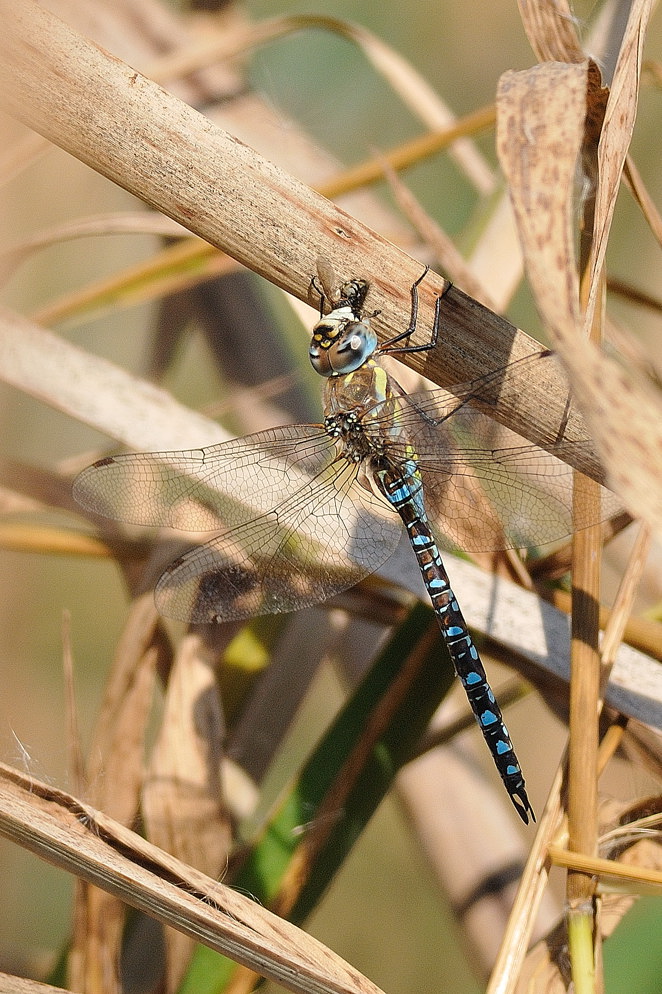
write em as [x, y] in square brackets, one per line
[303, 512]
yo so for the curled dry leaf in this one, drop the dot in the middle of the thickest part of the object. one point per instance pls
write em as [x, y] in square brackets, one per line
[542, 115]
[615, 137]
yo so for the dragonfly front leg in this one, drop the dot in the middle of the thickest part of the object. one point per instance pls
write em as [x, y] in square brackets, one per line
[392, 348]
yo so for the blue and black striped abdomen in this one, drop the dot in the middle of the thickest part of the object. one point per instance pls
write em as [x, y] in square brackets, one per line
[403, 488]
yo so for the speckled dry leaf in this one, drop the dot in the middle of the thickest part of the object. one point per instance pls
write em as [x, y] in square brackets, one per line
[182, 798]
[540, 133]
[540, 130]
[550, 28]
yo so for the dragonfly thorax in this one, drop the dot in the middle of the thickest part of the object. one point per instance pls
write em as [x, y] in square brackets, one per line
[357, 443]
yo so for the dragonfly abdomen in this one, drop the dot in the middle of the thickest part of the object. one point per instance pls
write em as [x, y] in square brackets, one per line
[403, 488]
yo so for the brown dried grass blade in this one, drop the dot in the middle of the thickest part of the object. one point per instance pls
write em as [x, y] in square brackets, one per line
[182, 798]
[114, 777]
[550, 28]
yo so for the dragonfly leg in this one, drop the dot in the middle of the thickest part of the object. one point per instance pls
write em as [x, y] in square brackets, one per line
[391, 347]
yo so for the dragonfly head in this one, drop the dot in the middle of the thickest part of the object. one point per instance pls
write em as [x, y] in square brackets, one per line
[341, 342]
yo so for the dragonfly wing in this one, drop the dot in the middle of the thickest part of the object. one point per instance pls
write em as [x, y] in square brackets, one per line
[320, 540]
[205, 489]
[512, 494]
[487, 487]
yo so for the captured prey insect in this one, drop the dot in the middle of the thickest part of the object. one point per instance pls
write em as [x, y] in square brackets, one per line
[306, 511]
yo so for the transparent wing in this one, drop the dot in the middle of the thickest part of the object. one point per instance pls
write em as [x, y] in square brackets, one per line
[205, 489]
[321, 540]
[298, 525]
[485, 486]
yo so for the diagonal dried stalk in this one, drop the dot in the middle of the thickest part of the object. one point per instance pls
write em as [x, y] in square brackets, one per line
[67, 833]
[152, 144]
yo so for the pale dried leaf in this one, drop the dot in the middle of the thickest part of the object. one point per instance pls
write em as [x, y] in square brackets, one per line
[96, 391]
[540, 130]
[624, 411]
